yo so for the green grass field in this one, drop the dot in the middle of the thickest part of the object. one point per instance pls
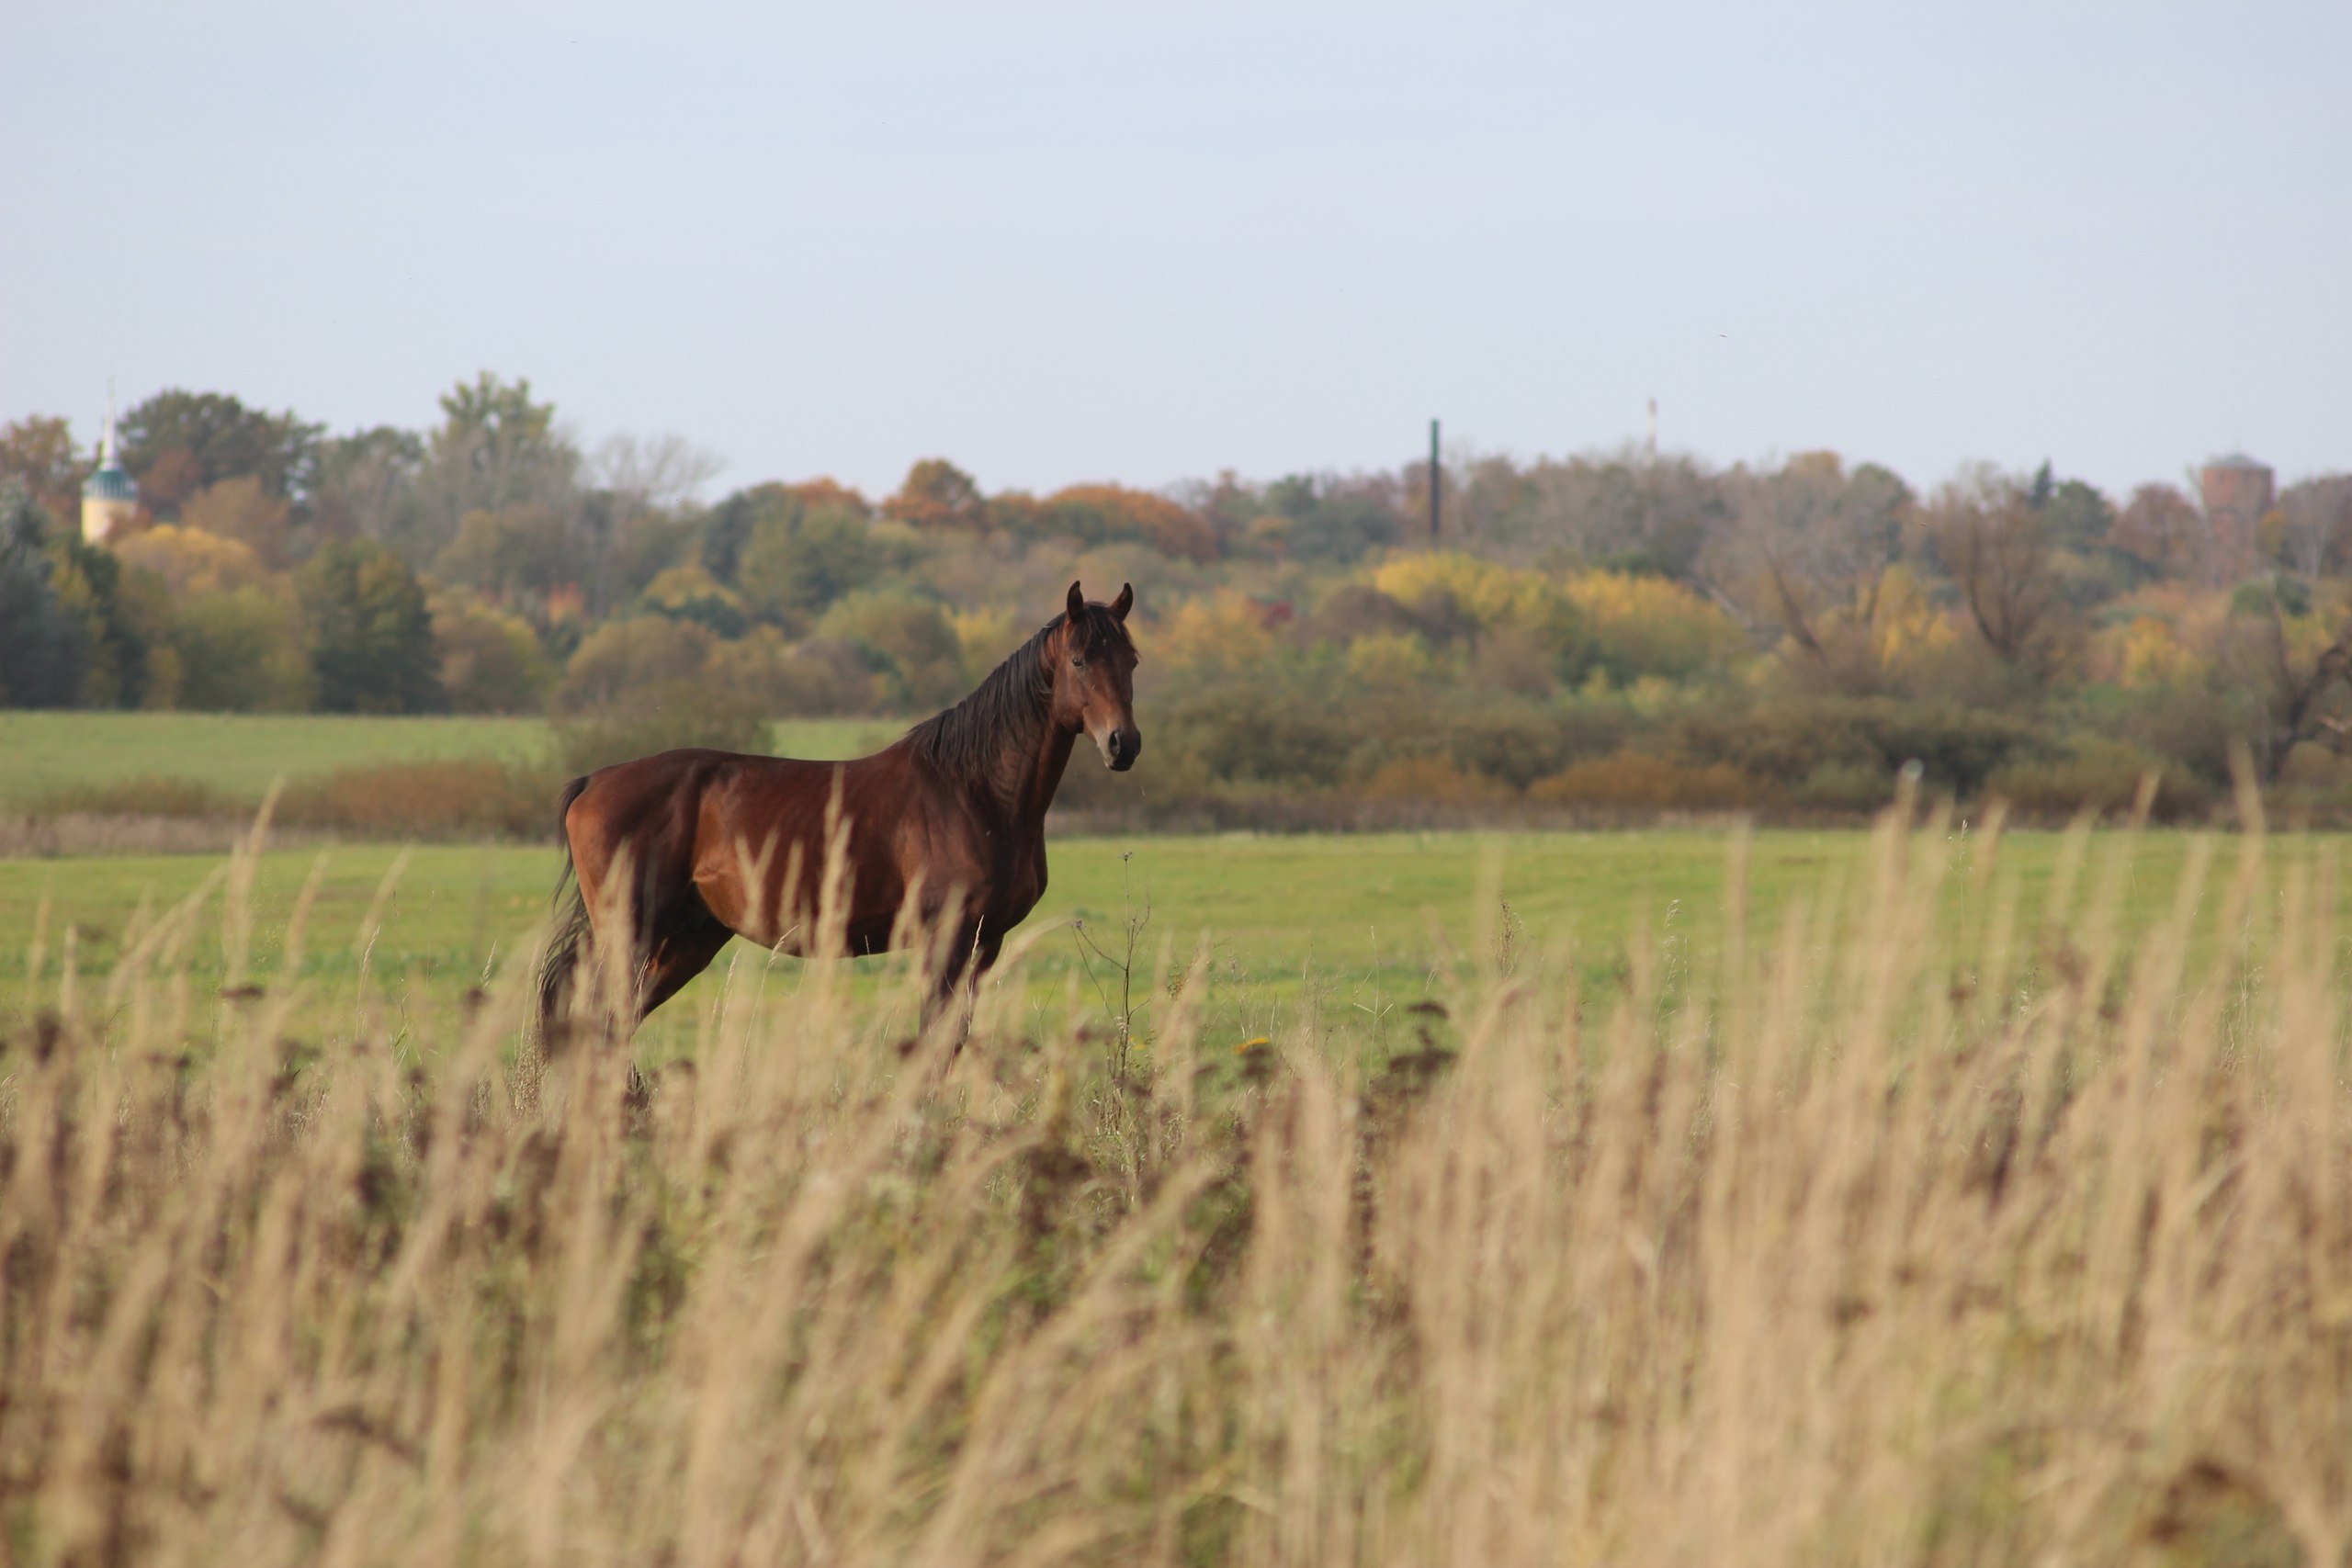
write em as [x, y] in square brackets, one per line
[1357, 926]
[42, 754]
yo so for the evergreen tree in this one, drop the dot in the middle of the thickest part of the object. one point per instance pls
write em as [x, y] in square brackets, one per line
[371, 633]
[43, 650]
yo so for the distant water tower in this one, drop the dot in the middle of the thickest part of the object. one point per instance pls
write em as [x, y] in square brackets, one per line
[2238, 493]
[109, 499]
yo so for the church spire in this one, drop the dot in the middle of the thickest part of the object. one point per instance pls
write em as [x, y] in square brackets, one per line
[109, 497]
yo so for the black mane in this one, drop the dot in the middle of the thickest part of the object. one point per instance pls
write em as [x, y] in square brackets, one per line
[965, 741]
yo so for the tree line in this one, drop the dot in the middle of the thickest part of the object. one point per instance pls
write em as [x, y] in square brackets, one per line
[1611, 611]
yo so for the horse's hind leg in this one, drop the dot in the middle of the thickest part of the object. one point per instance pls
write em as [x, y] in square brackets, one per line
[680, 952]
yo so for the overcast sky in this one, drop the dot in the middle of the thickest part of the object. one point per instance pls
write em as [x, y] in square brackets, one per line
[1059, 243]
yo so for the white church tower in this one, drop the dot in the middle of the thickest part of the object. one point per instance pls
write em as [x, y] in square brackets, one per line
[109, 499]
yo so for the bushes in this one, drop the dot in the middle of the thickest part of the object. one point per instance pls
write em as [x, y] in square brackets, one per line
[1788, 741]
[1251, 729]
[1632, 781]
[1433, 780]
[426, 800]
[175, 798]
[1515, 742]
[463, 799]
[2102, 777]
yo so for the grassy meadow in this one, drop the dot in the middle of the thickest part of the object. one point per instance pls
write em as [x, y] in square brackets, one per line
[48, 754]
[1873, 1199]
[1358, 926]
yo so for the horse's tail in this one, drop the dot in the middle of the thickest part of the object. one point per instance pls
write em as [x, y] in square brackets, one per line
[566, 942]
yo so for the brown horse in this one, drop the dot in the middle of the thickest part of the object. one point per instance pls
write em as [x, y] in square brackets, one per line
[676, 853]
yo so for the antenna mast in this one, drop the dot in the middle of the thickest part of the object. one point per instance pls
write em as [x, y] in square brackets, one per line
[1437, 482]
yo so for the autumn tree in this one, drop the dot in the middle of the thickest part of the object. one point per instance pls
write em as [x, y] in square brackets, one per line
[2295, 656]
[1994, 535]
[2313, 524]
[366, 487]
[636, 514]
[1806, 551]
[1108, 514]
[241, 651]
[242, 509]
[1652, 515]
[1228, 503]
[938, 494]
[1329, 518]
[38, 452]
[177, 443]
[728, 527]
[2161, 531]
[495, 448]
[490, 661]
[659, 473]
[803, 558]
[2075, 515]
[191, 562]
[908, 641]
[511, 552]
[123, 611]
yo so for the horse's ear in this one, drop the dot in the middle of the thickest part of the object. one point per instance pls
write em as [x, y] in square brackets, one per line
[1077, 603]
[1124, 603]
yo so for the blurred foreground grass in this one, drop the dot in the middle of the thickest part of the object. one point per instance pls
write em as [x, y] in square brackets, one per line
[1884, 1201]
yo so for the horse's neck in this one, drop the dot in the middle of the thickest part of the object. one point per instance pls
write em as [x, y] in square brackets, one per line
[1026, 773]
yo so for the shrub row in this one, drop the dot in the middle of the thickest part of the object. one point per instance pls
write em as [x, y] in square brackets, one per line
[1237, 752]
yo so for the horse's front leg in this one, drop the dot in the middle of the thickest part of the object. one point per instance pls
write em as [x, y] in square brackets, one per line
[971, 956]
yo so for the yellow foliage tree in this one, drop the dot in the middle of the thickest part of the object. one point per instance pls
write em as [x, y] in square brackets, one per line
[2148, 652]
[985, 636]
[1224, 629]
[1491, 593]
[1653, 625]
[1389, 659]
[192, 562]
[242, 509]
[1908, 634]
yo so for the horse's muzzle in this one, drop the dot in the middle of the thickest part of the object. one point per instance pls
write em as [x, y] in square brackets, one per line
[1121, 747]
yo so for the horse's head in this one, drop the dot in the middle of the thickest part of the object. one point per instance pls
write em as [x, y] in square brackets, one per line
[1094, 676]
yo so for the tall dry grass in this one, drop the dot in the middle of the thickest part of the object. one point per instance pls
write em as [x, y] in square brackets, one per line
[1910, 1231]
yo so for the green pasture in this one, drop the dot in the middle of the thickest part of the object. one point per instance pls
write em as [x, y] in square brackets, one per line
[1357, 926]
[45, 754]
